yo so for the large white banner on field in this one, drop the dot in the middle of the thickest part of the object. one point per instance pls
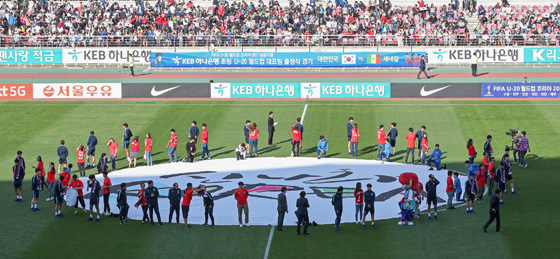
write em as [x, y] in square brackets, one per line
[485, 55]
[263, 178]
[77, 91]
[105, 55]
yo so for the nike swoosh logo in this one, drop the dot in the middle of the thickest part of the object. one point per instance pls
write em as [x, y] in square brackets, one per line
[158, 93]
[430, 92]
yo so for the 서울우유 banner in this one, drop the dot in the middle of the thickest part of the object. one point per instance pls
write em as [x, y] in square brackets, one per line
[285, 59]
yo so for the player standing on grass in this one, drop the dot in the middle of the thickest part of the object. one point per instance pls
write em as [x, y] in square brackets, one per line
[241, 196]
[18, 179]
[127, 134]
[204, 142]
[41, 167]
[134, 148]
[458, 187]
[78, 185]
[410, 137]
[349, 128]
[91, 143]
[58, 190]
[509, 173]
[113, 148]
[95, 187]
[472, 152]
[380, 141]
[208, 206]
[50, 181]
[431, 187]
[300, 127]
[450, 190]
[354, 140]
[480, 182]
[148, 149]
[296, 138]
[425, 147]
[420, 136]
[106, 193]
[81, 152]
[369, 202]
[501, 181]
[174, 196]
[337, 204]
[62, 152]
[123, 204]
[393, 133]
[194, 132]
[172, 145]
[152, 195]
[491, 176]
[254, 140]
[271, 128]
[488, 145]
[470, 191]
[21, 160]
[359, 196]
[36, 185]
[246, 130]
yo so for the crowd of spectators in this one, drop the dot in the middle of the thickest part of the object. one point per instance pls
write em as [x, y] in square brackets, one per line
[254, 23]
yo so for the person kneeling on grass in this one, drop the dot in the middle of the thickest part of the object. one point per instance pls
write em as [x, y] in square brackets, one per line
[322, 147]
[241, 151]
[387, 151]
[408, 205]
[435, 158]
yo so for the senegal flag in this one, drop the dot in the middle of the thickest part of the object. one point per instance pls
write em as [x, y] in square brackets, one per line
[374, 59]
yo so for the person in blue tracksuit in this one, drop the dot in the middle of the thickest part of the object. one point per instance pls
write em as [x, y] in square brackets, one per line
[194, 132]
[387, 150]
[246, 130]
[472, 168]
[369, 205]
[122, 203]
[349, 128]
[458, 188]
[322, 147]
[337, 203]
[435, 158]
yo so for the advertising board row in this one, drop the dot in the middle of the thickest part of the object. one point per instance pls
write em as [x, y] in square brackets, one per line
[307, 90]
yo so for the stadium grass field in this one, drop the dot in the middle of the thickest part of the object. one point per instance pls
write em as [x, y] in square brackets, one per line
[528, 219]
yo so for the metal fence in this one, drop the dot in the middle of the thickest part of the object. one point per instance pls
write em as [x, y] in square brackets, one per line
[277, 41]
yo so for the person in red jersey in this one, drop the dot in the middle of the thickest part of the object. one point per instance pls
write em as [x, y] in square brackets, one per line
[359, 196]
[67, 177]
[491, 176]
[241, 195]
[113, 148]
[204, 142]
[410, 139]
[172, 145]
[185, 205]
[296, 138]
[41, 167]
[106, 192]
[480, 183]
[134, 148]
[254, 139]
[354, 140]
[380, 141]
[50, 181]
[78, 185]
[472, 152]
[81, 152]
[143, 202]
[425, 147]
[450, 190]
[148, 149]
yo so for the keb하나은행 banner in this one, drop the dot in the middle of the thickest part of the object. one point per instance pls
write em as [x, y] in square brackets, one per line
[435, 90]
[165, 90]
[285, 59]
[464, 55]
[105, 56]
[255, 90]
[300, 90]
[77, 91]
[520, 90]
[345, 90]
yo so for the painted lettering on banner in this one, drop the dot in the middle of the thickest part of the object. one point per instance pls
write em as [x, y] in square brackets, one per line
[16, 91]
[542, 55]
[105, 56]
[355, 90]
[520, 90]
[30, 56]
[485, 55]
[77, 91]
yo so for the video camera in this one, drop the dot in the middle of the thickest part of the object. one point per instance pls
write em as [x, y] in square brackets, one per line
[512, 132]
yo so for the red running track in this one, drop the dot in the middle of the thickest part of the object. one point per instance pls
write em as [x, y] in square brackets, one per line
[274, 75]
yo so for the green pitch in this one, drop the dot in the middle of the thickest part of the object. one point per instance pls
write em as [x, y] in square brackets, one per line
[529, 219]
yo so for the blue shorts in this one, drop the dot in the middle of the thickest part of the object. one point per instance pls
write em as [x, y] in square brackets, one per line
[91, 152]
[349, 138]
[126, 144]
[17, 183]
[61, 161]
[93, 201]
[246, 139]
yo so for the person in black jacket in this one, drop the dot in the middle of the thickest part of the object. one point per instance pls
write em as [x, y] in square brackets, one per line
[174, 197]
[208, 205]
[301, 213]
[337, 203]
[422, 68]
[431, 186]
[494, 211]
[282, 208]
[122, 203]
[102, 166]
[152, 195]
[271, 129]
[191, 150]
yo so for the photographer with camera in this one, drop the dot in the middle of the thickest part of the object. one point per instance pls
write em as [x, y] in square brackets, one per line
[515, 144]
[523, 148]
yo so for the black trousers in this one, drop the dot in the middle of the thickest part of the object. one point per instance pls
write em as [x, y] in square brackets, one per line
[190, 157]
[270, 136]
[106, 207]
[153, 207]
[493, 215]
[81, 201]
[145, 217]
[123, 211]
[280, 220]
[420, 72]
[473, 69]
[338, 213]
[173, 208]
[295, 148]
[131, 70]
[208, 212]
[302, 219]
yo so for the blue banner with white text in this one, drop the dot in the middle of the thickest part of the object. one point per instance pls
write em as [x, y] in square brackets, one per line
[520, 90]
[285, 59]
[30, 56]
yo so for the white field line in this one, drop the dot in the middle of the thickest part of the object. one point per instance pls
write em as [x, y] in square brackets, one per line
[269, 242]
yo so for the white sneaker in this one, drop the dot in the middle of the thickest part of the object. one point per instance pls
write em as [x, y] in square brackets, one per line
[400, 223]
[382, 162]
[515, 163]
[247, 224]
[240, 225]
[526, 165]
[410, 223]
[357, 222]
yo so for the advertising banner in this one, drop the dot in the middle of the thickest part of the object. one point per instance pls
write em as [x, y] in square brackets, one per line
[255, 90]
[542, 55]
[285, 59]
[435, 90]
[77, 91]
[30, 56]
[105, 56]
[166, 90]
[346, 90]
[464, 55]
[16, 91]
[520, 90]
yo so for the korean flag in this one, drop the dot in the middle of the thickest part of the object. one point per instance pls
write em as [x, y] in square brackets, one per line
[348, 59]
